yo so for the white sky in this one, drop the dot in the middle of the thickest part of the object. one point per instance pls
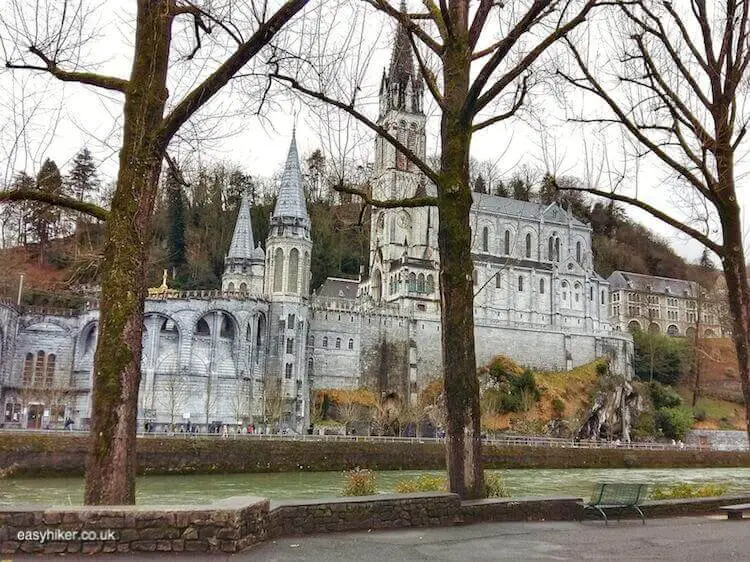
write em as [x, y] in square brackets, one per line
[258, 145]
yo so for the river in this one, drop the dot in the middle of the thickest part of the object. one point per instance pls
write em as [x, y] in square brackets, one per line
[203, 489]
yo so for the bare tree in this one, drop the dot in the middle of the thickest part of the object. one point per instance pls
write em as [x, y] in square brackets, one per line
[273, 400]
[682, 78]
[240, 402]
[348, 411]
[173, 395]
[476, 61]
[50, 44]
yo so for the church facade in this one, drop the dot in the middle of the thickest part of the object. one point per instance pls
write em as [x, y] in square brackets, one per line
[255, 349]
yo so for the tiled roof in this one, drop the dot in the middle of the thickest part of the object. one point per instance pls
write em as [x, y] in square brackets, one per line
[523, 209]
[337, 287]
[653, 284]
[291, 198]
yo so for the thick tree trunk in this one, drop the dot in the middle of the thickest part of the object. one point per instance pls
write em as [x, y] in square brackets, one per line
[110, 471]
[463, 431]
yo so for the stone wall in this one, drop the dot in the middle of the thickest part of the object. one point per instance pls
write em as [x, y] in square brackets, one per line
[718, 439]
[385, 511]
[236, 523]
[227, 526]
[58, 455]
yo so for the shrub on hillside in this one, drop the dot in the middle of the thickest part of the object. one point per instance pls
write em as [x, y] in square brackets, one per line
[494, 486]
[558, 407]
[664, 396]
[659, 357]
[686, 490]
[644, 427]
[359, 482]
[674, 422]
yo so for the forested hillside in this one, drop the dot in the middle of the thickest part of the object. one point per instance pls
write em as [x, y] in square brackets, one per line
[60, 253]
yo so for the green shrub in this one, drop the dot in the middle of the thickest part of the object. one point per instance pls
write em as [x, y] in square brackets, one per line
[664, 396]
[644, 427]
[674, 422]
[700, 414]
[494, 486]
[359, 482]
[686, 490]
[602, 369]
[558, 406]
[422, 483]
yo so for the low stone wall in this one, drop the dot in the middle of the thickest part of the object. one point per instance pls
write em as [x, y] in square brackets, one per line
[236, 523]
[226, 526]
[65, 455]
[304, 517]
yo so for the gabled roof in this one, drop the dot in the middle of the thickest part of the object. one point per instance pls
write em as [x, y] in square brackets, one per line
[291, 199]
[654, 284]
[243, 244]
[552, 213]
[336, 287]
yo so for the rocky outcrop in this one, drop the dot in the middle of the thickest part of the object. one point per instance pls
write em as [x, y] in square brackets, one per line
[613, 411]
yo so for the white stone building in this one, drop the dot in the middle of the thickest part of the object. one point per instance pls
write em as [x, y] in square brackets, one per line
[224, 356]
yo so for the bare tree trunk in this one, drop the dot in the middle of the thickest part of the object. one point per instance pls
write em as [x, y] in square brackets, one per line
[463, 443]
[110, 470]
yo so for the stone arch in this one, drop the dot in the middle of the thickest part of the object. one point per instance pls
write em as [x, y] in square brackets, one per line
[278, 270]
[709, 333]
[634, 325]
[243, 287]
[673, 330]
[230, 287]
[654, 328]
[412, 282]
[420, 283]
[293, 276]
[690, 332]
[430, 284]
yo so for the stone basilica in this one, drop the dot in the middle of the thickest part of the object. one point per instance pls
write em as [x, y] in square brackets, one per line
[264, 341]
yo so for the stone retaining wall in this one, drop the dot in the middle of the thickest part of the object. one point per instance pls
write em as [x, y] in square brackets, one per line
[236, 523]
[65, 455]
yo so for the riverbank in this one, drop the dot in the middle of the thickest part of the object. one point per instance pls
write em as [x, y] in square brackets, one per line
[65, 455]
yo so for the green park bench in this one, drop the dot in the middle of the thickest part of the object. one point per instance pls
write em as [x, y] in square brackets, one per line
[617, 496]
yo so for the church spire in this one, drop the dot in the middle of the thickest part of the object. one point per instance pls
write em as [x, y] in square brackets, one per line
[291, 199]
[402, 87]
[243, 243]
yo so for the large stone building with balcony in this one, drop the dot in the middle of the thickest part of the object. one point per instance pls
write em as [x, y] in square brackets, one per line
[675, 307]
[252, 351]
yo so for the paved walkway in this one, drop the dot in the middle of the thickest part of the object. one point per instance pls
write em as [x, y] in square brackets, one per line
[689, 539]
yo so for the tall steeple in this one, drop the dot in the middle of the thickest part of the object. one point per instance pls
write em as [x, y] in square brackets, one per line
[290, 202]
[402, 88]
[244, 266]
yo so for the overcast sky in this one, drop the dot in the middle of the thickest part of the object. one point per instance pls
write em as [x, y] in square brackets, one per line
[85, 116]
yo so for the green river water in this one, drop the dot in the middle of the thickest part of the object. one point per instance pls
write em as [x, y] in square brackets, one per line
[203, 489]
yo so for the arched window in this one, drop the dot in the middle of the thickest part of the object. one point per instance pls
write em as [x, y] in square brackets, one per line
[577, 288]
[557, 249]
[338, 343]
[603, 299]
[591, 294]
[230, 287]
[541, 286]
[292, 282]
[311, 341]
[520, 283]
[528, 245]
[412, 282]
[673, 330]
[288, 371]
[243, 287]
[325, 341]
[28, 369]
[278, 269]
[290, 345]
[498, 281]
[507, 243]
[578, 252]
[550, 249]
[485, 239]
[420, 283]
[351, 343]
[39, 367]
[430, 284]
[310, 366]
[564, 286]
[49, 370]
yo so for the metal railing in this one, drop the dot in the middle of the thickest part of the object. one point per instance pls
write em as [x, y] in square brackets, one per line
[511, 440]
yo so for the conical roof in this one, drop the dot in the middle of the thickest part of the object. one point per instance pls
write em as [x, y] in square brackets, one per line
[291, 198]
[401, 70]
[242, 240]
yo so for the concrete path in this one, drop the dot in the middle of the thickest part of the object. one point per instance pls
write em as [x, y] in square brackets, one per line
[689, 539]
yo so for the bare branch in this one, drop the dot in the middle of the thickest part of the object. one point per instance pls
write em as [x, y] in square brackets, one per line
[390, 203]
[56, 200]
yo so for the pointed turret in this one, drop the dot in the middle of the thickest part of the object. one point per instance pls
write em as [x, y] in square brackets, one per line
[244, 266]
[291, 199]
[242, 240]
[402, 88]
